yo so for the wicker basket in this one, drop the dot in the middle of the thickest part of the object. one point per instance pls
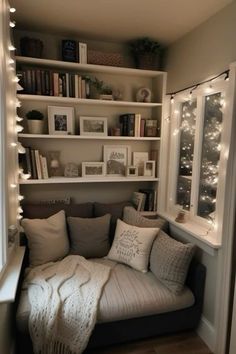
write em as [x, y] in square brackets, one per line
[148, 61]
[103, 58]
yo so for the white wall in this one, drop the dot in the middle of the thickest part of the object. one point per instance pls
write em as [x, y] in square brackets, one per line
[202, 53]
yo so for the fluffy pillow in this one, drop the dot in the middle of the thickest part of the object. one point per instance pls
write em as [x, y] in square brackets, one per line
[169, 261]
[132, 217]
[89, 237]
[47, 238]
[132, 245]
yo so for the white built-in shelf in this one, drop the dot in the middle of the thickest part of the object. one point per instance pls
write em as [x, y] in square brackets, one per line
[86, 101]
[85, 137]
[88, 68]
[65, 180]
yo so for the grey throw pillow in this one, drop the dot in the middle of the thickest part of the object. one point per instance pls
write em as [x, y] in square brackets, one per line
[132, 217]
[47, 238]
[169, 261]
[89, 237]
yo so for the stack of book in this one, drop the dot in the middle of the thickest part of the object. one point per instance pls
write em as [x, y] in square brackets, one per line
[49, 83]
[33, 163]
[150, 200]
[132, 124]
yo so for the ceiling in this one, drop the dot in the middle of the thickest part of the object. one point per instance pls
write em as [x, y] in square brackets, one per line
[116, 21]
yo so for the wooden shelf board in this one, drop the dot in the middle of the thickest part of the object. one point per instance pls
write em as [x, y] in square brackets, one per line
[85, 137]
[65, 180]
[88, 67]
[86, 101]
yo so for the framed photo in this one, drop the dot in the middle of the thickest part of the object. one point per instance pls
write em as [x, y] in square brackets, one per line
[138, 160]
[131, 171]
[93, 169]
[149, 168]
[116, 158]
[61, 120]
[93, 126]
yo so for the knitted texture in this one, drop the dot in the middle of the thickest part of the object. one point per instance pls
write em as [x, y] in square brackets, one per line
[64, 298]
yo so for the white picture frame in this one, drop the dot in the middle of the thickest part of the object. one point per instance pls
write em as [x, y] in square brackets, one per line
[138, 160]
[93, 169]
[93, 126]
[61, 120]
[116, 158]
[149, 168]
[131, 171]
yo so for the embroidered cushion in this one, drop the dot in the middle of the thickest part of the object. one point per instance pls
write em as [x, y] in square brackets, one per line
[169, 261]
[47, 238]
[132, 245]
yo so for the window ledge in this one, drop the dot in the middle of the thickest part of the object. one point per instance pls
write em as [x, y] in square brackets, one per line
[198, 233]
[9, 280]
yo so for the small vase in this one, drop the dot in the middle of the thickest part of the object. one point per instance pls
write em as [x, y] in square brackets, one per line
[35, 126]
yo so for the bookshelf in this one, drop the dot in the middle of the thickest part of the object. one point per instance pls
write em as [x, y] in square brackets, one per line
[79, 148]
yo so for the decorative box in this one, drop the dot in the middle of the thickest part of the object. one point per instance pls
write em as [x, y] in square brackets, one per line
[103, 58]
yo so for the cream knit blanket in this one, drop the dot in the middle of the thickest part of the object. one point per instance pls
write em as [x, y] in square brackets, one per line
[64, 297]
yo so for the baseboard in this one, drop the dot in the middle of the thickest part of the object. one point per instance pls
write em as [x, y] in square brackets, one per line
[207, 333]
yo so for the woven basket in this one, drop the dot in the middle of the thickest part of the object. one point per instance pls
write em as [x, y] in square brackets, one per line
[148, 61]
[103, 58]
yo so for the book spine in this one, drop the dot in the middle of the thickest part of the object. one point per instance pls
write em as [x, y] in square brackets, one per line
[60, 85]
[76, 86]
[55, 84]
[47, 82]
[38, 83]
[44, 166]
[142, 127]
[34, 169]
[38, 164]
[43, 83]
[137, 124]
[80, 86]
[83, 88]
[123, 119]
[67, 85]
[82, 53]
[28, 161]
[130, 124]
[51, 93]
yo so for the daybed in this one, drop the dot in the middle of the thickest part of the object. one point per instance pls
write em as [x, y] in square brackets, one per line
[133, 304]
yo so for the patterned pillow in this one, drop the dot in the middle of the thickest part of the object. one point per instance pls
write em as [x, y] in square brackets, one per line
[133, 217]
[132, 245]
[169, 261]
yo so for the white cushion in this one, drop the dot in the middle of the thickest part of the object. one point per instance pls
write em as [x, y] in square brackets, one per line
[47, 238]
[132, 245]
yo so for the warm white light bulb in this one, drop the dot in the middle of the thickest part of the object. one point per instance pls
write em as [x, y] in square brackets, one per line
[13, 144]
[18, 104]
[19, 87]
[19, 209]
[13, 185]
[20, 197]
[19, 128]
[12, 9]
[12, 24]
[19, 119]
[15, 79]
[25, 175]
[11, 47]
[19, 217]
[21, 149]
[11, 61]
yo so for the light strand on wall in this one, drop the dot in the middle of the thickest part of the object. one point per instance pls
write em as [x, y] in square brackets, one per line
[195, 86]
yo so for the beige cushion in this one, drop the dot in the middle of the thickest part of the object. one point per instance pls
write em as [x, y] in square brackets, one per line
[89, 237]
[132, 245]
[132, 217]
[169, 261]
[47, 238]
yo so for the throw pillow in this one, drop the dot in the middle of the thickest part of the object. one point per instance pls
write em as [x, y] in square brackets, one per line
[132, 245]
[47, 238]
[133, 217]
[169, 261]
[89, 237]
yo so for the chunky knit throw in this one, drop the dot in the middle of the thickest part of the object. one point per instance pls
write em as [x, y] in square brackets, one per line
[64, 297]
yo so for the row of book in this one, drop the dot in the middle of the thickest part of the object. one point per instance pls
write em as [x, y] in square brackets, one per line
[132, 124]
[50, 83]
[33, 163]
[144, 200]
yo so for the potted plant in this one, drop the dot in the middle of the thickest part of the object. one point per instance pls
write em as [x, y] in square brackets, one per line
[146, 53]
[35, 122]
[99, 89]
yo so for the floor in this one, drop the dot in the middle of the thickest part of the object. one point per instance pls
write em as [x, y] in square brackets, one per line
[184, 343]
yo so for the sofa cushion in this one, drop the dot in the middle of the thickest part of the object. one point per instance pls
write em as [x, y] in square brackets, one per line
[127, 294]
[132, 245]
[116, 211]
[169, 261]
[132, 217]
[47, 238]
[89, 237]
[40, 211]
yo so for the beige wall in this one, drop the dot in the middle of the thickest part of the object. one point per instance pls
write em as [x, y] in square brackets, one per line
[6, 330]
[204, 52]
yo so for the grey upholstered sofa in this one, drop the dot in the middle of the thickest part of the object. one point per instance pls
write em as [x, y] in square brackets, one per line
[133, 305]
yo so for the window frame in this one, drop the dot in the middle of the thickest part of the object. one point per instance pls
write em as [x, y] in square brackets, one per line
[174, 152]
